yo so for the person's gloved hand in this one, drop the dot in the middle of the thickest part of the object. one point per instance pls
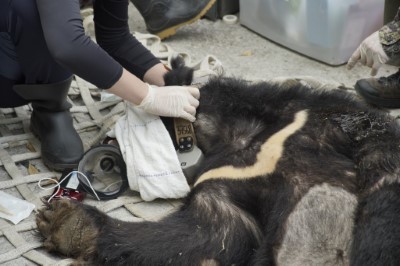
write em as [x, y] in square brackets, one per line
[369, 53]
[173, 101]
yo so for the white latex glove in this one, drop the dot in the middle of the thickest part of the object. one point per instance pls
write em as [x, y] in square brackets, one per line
[172, 101]
[369, 53]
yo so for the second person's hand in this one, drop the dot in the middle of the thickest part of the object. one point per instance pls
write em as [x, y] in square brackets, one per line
[369, 53]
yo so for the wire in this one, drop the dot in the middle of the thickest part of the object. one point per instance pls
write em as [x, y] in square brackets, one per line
[58, 186]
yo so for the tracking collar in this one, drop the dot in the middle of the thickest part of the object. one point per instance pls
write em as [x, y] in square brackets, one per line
[184, 135]
[189, 155]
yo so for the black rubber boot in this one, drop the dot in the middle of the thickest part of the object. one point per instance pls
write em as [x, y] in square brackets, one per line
[163, 17]
[51, 122]
[381, 92]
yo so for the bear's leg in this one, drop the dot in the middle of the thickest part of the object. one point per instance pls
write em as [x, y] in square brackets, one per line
[208, 230]
[70, 228]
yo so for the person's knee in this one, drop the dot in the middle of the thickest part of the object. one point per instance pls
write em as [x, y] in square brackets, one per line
[29, 45]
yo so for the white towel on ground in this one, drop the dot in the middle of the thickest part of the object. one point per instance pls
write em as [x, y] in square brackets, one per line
[153, 167]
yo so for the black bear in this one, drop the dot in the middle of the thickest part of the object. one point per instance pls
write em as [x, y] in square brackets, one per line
[291, 176]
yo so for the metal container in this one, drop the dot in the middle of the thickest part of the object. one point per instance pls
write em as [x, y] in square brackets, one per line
[326, 30]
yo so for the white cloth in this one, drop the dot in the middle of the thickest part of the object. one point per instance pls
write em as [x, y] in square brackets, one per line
[153, 167]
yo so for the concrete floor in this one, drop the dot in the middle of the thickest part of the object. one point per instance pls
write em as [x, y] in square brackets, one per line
[267, 60]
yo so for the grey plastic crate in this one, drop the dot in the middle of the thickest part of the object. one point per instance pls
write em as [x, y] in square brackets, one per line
[326, 30]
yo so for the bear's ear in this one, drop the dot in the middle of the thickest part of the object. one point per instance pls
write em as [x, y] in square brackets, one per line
[179, 74]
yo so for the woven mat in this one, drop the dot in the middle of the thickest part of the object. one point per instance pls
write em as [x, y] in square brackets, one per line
[21, 167]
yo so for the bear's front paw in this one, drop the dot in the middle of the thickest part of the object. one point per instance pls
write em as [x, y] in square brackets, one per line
[68, 228]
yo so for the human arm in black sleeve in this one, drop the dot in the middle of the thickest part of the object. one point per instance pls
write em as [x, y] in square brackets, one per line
[63, 30]
[66, 40]
[113, 35]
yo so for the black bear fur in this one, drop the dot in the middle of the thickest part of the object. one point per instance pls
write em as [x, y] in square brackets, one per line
[327, 193]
